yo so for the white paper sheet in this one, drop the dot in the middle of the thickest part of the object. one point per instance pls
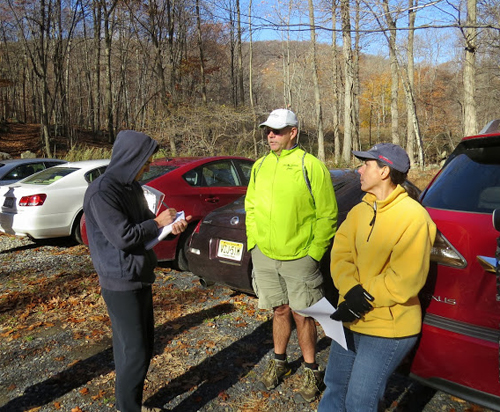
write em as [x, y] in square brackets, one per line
[165, 231]
[321, 311]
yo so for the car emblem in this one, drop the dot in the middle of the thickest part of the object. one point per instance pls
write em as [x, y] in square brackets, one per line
[234, 220]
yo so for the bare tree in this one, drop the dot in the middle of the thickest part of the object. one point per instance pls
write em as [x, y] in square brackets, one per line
[356, 82]
[391, 23]
[45, 41]
[200, 47]
[317, 93]
[250, 80]
[348, 80]
[335, 86]
[470, 120]
[107, 14]
[240, 55]
[402, 70]
[410, 132]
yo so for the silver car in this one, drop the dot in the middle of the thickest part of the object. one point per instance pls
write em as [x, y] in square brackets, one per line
[13, 170]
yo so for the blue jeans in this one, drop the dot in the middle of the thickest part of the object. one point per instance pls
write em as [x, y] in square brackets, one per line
[356, 378]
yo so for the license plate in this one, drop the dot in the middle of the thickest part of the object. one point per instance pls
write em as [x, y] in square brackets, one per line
[230, 250]
[9, 202]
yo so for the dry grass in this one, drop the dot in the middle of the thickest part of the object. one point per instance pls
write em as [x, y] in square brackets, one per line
[421, 178]
[78, 153]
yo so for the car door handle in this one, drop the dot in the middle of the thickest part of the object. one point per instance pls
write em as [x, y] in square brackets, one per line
[489, 264]
[213, 199]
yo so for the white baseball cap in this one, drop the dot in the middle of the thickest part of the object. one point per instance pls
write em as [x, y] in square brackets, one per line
[280, 118]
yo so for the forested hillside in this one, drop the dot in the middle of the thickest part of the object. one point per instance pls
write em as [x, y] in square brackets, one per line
[199, 75]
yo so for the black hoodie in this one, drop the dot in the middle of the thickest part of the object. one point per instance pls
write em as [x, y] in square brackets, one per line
[118, 219]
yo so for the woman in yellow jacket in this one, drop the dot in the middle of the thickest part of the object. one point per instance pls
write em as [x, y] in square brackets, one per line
[380, 260]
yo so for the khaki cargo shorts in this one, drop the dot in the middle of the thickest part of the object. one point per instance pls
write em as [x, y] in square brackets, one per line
[298, 283]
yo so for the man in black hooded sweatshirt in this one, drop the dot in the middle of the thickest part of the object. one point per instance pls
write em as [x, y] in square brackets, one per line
[119, 223]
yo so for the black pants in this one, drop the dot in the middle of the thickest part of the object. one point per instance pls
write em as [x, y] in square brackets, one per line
[132, 321]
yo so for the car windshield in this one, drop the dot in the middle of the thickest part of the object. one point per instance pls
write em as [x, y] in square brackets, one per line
[48, 176]
[470, 182]
[154, 172]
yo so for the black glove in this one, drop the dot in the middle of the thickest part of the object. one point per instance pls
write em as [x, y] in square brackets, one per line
[344, 314]
[357, 300]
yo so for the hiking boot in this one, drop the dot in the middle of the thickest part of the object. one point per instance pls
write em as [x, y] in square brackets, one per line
[312, 385]
[275, 370]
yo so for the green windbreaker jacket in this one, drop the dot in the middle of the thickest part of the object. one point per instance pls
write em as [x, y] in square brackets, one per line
[283, 217]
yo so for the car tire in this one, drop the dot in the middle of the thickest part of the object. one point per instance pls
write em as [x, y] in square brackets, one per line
[181, 262]
[76, 233]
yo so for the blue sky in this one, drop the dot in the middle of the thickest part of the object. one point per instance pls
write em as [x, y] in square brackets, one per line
[270, 18]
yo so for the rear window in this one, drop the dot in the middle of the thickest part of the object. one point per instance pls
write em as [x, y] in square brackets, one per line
[154, 172]
[48, 176]
[470, 180]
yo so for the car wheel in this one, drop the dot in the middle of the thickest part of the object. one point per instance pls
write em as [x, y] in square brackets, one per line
[181, 262]
[76, 233]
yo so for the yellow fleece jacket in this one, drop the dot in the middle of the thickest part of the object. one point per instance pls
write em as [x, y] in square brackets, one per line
[388, 253]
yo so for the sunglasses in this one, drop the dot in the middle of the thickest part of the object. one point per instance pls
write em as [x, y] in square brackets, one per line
[277, 132]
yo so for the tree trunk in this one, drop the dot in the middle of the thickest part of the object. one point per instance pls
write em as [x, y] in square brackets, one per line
[470, 120]
[200, 48]
[391, 24]
[335, 87]
[349, 80]
[317, 93]
[96, 112]
[250, 80]
[356, 85]
[410, 132]
[108, 38]
[240, 57]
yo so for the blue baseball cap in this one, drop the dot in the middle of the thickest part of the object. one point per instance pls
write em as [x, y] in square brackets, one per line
[390, 154]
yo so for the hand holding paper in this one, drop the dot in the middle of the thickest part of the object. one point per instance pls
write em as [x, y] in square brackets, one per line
[165, 231]
[321, 311]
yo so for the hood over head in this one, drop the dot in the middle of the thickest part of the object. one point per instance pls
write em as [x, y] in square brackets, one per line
[131, 150]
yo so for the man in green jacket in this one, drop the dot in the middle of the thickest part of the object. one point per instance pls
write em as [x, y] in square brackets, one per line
[291, 218]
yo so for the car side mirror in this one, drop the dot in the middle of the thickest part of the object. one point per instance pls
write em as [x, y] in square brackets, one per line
[496, 219]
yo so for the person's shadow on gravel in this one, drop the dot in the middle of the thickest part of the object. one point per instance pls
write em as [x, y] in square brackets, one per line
[217, 373]
[99, 364]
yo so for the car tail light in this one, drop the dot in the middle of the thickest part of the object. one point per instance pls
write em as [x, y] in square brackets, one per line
[444, 253]
[197, 228]
[33, 200]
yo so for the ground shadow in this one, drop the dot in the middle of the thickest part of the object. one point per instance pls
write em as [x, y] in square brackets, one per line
[213, 376]
[99, 364]
[66, 242]
[406, 395]
[43, 291]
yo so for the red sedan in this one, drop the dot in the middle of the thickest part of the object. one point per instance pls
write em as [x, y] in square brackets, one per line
[196, 185]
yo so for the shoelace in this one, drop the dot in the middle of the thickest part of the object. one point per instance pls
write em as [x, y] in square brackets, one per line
[272, 369]
[310, 378]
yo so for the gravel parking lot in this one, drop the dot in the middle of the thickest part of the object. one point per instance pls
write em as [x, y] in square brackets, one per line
[211, 344]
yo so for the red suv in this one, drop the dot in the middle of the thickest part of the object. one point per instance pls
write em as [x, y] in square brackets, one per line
[459, 348]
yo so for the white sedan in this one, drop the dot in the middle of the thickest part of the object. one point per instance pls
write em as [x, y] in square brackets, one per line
[49, 204]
